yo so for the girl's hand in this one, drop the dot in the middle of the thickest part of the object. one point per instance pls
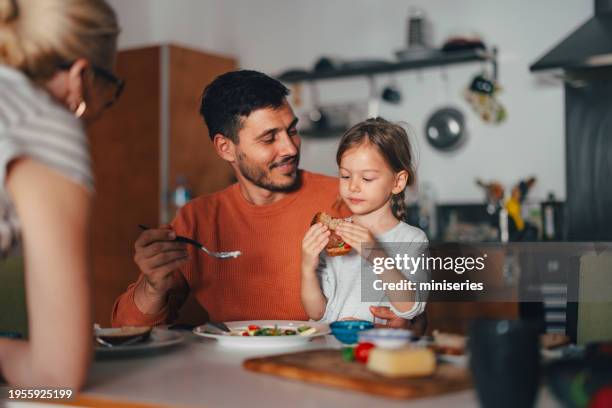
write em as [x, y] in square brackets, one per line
[356, 236]
[314, 241]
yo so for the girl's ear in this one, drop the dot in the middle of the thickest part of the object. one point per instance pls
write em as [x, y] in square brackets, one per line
[225, 148]
[401, 180]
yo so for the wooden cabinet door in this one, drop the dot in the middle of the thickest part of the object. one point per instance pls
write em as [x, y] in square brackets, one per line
[161, 99]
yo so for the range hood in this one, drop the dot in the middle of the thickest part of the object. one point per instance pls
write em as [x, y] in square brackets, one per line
[590, 46]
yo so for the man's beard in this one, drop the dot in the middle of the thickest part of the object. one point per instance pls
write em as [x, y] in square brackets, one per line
[262, 176]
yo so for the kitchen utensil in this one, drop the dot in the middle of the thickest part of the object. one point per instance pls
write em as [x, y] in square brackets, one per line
[347, 331]
[220, 255]
[216, 328]
[445, 128]
[327, 367]
[505, 362]
[416, 29]
[481, 94]
[105, 343]
[392, 94]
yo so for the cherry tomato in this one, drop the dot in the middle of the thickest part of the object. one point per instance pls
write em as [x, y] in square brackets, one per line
[246, 334]
[602, 398]
[362, 351]
[253, 327]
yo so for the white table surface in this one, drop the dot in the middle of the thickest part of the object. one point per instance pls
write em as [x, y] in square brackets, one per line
[202, 373]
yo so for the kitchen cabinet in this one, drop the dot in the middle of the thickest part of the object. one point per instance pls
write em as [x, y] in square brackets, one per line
[153, 134]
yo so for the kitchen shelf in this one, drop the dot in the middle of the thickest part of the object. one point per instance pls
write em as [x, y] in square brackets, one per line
[437, 58]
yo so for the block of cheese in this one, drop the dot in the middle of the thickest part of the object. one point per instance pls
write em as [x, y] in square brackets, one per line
[403, 362]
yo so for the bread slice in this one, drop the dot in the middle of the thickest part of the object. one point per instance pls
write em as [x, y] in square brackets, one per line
[336, 246]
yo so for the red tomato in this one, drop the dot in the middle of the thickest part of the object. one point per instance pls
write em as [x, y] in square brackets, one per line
[253, 327]
[362, 351]
[245, 334]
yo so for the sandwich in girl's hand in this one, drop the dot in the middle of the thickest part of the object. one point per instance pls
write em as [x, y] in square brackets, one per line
[336, 246]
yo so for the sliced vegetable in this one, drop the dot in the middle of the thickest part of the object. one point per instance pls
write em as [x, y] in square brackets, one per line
[348, 354]
[254, 330]
[362, 351]
[308, 332]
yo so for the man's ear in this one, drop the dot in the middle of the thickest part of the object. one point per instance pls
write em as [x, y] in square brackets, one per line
[76, 82]
[225, 148]
[401, 179]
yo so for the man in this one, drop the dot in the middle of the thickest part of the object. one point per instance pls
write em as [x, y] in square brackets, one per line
[264, 215]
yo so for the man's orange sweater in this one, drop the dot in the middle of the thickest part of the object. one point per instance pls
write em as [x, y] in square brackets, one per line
[263, 283]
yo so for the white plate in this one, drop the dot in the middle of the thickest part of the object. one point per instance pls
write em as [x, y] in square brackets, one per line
[458, 360]
[265, 341]
[159, 339]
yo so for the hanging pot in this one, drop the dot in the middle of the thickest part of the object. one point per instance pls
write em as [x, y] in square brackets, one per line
[445, 129]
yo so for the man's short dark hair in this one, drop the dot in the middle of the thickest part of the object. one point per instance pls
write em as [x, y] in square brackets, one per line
[236, 94]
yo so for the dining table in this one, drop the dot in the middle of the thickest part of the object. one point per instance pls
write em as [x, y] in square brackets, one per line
[199, 372]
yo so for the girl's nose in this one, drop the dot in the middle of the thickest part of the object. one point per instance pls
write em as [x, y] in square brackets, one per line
[354, 186]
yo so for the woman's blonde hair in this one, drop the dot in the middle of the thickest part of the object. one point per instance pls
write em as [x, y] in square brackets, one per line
[37, 36]
[392, 142]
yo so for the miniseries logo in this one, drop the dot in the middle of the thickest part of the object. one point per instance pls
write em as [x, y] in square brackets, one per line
[412, 264]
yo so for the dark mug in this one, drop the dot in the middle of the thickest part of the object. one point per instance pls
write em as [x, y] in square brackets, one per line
[505, 362]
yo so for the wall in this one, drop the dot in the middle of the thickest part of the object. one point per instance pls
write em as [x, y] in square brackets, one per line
[274, 35]
[136, 20]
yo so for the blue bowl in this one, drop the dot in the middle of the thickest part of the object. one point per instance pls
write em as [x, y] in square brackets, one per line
[347, 331]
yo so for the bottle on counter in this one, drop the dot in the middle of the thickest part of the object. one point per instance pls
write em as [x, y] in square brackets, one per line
[504, 227]
[181, 194]
[551, 219]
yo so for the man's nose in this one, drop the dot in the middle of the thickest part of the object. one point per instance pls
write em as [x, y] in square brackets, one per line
[288, 146]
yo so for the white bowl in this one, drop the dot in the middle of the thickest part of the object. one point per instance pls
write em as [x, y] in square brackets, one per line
[386, 338]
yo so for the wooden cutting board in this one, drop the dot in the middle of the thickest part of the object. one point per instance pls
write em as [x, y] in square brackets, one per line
[328, 368]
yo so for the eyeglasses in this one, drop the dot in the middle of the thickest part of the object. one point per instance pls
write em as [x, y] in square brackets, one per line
[106, 75]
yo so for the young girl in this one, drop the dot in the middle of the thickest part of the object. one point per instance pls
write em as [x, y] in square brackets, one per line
[376, 165]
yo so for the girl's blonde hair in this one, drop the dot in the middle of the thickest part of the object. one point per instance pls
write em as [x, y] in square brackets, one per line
[392, 142]
[37, 36]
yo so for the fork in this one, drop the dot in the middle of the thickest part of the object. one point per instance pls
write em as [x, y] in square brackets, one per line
[220, 255]
[129, 342]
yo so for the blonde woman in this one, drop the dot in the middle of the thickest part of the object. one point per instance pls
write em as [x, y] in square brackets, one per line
[56, 60]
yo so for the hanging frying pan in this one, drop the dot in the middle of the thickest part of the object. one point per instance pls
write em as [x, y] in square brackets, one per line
[445, 129]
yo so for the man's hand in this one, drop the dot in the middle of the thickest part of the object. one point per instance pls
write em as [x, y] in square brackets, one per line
[157, 256]
[418, 325]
